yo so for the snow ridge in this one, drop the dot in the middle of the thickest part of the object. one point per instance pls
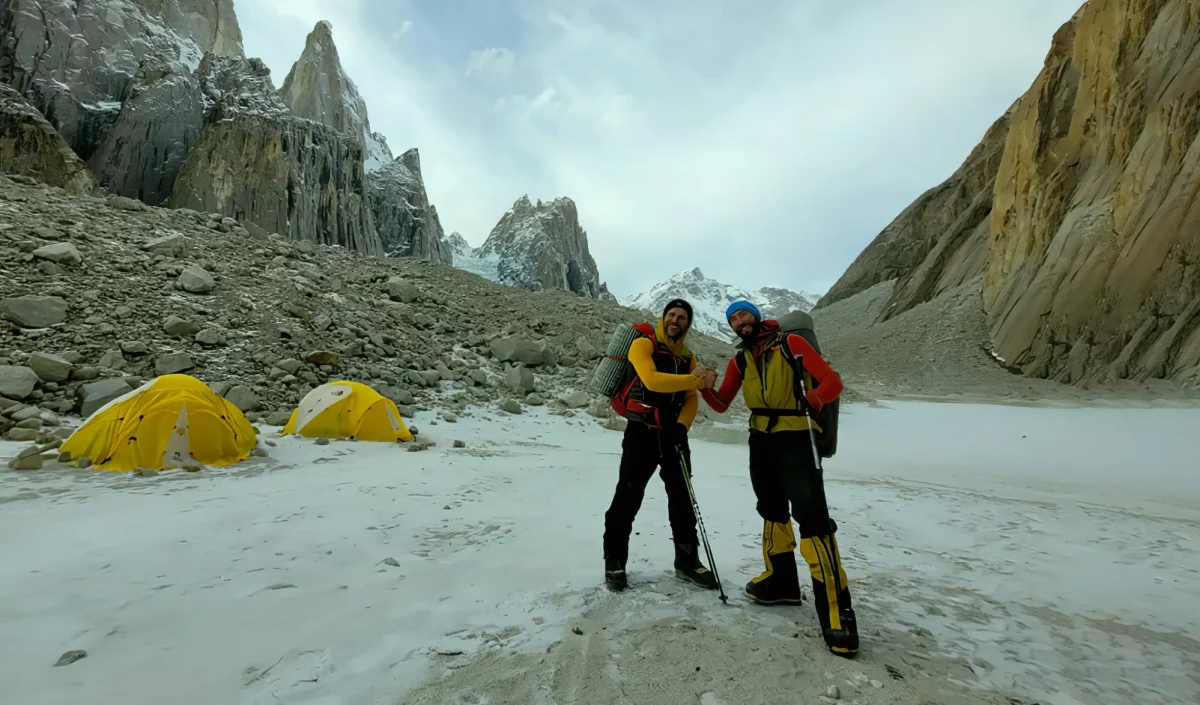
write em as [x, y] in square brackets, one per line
[710, 298]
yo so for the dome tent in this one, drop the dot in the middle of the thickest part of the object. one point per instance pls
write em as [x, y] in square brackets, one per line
[345, 409]
[172, 421]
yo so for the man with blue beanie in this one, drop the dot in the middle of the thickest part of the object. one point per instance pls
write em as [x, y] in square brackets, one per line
[785, 383]
[737, 306]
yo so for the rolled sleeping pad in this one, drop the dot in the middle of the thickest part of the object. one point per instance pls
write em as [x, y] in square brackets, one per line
[609, 373]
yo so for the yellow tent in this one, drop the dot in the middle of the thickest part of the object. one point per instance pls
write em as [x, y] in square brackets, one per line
[172, 421]
[347, 410]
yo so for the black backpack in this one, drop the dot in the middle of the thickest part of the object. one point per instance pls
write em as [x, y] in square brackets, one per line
[801, 324]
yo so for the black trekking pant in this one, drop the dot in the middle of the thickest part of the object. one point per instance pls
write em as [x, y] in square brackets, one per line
[783, 473]
[639, 458]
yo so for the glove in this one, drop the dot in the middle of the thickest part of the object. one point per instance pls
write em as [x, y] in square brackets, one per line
[813, 400]
[677, 435]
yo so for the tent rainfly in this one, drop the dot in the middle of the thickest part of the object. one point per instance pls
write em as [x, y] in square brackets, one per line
[345, 409]
[170, 422]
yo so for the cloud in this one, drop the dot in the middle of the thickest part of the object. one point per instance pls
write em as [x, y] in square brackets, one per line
[543, 99]
[766, 143]
[495, 61]
[404, 28]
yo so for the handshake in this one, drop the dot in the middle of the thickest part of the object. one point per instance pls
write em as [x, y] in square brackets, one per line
[708, 374]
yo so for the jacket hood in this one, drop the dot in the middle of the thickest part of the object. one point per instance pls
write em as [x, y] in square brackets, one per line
[676, 346]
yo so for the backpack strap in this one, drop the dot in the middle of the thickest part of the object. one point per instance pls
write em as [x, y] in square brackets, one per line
[798, 374]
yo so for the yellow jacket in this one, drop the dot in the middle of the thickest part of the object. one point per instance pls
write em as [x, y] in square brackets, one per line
[641, 356]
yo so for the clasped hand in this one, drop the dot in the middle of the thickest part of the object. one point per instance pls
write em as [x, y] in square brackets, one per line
[708, 374]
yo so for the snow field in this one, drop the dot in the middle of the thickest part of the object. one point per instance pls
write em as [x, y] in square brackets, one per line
[1042, 554]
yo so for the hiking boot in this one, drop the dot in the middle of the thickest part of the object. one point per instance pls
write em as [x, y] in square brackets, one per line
[844, 640]
[688, 567]
[779, 584]
[831, 595]
[614, 575]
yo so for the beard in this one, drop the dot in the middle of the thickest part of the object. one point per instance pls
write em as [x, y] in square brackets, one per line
[750, 336]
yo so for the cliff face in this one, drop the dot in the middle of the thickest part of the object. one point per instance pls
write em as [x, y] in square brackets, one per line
[543, 247]
[159, 123]
[407, 225]
[1093, 269]
[1078, 210]
[156, 97]
[75, 61]
[318, 88]
[257, 161]
[30, 146]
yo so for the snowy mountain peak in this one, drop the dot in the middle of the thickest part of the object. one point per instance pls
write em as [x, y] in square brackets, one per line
[318, 88]
[459, 245]
[538, 247]
[710, 298]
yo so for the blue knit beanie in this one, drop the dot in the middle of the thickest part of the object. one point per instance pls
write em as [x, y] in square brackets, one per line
[743, 306]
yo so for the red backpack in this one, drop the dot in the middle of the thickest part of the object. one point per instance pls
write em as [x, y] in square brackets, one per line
[620, 401]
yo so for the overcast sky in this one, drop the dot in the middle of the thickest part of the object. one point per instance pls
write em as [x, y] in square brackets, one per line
[766, 142]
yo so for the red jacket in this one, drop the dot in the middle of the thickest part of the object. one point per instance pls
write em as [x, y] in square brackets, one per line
[830, 384]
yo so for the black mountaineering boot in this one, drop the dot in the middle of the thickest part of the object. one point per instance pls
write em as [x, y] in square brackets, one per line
[614, 575]
[779, 584]
[831, 595]
[688, 567]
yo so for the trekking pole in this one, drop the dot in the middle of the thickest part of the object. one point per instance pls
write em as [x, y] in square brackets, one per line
[803, 400]
[687, 478]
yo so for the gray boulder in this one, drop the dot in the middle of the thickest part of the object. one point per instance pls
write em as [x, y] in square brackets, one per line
[50, 368]
[196, 280]
[113, 360]
[243, 398]
[171, 245]
[63, 253]
[578, 399]
[17, 382]
[33, 311]
[520, 379]
[97, 394]
[179, 327]
[173, 363]
[210, 337]
[526, 352]
[402, 290]
[278, 418]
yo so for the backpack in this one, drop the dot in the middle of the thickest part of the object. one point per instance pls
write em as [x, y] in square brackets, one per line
[801, 324]
[615, 375]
